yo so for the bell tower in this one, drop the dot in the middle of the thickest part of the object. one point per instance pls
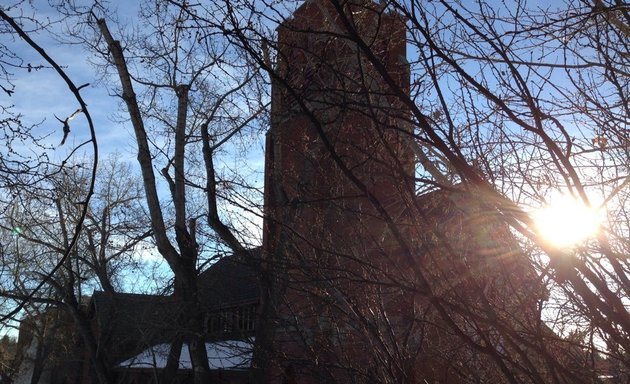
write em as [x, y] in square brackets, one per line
[338, 130]
[336, 165]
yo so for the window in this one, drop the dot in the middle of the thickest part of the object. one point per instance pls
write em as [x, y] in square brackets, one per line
[247, 318]
[234, 319]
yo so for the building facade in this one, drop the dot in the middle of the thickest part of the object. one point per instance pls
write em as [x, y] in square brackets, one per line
[372, 282]
[361, 280]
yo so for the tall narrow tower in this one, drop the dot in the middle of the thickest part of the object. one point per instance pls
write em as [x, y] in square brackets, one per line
[336, 146]
[337, 164]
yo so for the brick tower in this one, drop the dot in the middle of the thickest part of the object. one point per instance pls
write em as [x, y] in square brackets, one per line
[336, 166]
[338, 131]
[355, 258]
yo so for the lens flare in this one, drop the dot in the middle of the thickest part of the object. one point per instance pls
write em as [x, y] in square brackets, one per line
[567, 221]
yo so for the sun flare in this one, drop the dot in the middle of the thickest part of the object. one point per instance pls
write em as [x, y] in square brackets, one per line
[567, 221]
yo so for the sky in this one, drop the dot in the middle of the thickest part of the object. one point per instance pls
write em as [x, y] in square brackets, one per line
[41, 94]
[41, 97]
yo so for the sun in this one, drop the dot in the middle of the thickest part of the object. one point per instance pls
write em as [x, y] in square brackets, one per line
[567, 221]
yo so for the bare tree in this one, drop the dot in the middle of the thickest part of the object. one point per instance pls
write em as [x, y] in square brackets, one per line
[193, 104]
[424, 135]
[25, 159]
[195, 113]
[507, 103]
[41, 225]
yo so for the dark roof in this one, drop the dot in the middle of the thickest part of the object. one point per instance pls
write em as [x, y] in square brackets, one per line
[133, 322]
[133, 310]
[230, 281]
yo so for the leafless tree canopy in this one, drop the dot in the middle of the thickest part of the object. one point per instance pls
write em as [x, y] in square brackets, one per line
[408, 143]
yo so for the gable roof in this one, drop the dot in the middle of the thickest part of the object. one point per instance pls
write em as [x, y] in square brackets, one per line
[231, 281]
[131, 322]
[135, 322]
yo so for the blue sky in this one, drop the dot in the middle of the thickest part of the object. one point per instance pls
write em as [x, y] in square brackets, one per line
[41, 94]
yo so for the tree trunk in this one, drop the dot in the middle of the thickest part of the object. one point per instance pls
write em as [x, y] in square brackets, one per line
[199, 359]
[100, 370]
[172, 363]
